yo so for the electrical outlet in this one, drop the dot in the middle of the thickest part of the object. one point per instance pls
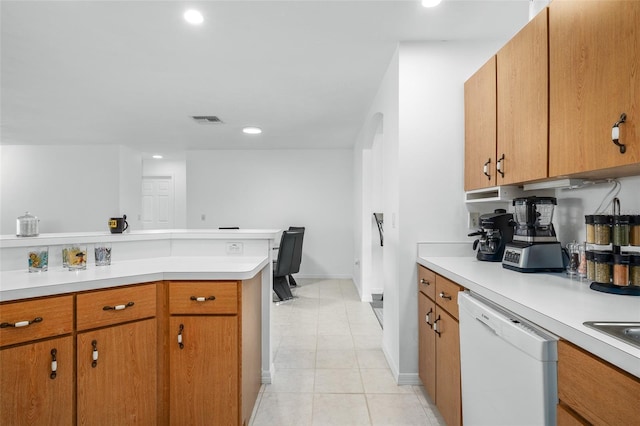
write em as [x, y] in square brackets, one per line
[234, 248]
[473, 220]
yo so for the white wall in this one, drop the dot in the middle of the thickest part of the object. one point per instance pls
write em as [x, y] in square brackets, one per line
[573, 204]
[422, 101]
[278, 189]
[70, 188]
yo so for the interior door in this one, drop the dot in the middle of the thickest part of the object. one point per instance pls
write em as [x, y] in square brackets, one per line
[157, 202]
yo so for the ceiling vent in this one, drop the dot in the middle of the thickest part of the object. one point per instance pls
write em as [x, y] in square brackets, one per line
[207, 119]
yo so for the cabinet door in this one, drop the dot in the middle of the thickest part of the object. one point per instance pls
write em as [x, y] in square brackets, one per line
[204, 370]
[448, 394]
[120, 387]
[480, 128]
[427, 344]
[523, 104]
[594, 52]
[31, 394]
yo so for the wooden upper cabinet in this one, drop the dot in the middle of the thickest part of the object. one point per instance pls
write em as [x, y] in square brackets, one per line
[480, 128]
[594, 49]
[523, 104]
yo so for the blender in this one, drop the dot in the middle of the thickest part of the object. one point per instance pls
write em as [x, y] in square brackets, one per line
[535, 247]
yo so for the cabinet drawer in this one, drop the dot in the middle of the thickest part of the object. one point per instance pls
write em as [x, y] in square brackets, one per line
[596, 390]
[201, 297]
[56, 314]
[427, 282]
[114, 306]
[447, 295]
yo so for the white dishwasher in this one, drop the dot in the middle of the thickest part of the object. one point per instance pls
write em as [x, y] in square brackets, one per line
[508, 367]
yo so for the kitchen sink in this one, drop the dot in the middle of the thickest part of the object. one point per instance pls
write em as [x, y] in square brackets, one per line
[628, 332]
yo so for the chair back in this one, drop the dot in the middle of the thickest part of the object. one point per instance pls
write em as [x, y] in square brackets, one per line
[297, 250]
[289, 253]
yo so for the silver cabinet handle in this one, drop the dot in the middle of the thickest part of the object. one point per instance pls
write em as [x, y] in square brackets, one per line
[425, 282]
[485, 169]
[202, 299]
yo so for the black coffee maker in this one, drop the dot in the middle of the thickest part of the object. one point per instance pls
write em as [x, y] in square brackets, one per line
[496, 231]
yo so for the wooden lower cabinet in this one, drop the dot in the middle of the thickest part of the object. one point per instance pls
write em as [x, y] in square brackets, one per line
[204, 370]
[592, 391]
[31, 393]
[118, 360]
[448, 391]
[119, 387]
[439, 345]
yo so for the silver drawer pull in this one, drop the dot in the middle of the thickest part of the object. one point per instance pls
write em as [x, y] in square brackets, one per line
[20, 323]
[118, 307]
[202, 299]
[425, 282]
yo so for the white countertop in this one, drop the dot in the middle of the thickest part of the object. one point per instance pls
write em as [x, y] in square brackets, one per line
[103, 237]
[21, 284]
[552, 301]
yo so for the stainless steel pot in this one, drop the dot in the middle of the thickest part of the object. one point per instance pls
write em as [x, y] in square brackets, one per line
[27, 225]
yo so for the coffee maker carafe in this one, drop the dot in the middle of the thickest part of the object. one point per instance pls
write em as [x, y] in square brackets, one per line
[496, 231]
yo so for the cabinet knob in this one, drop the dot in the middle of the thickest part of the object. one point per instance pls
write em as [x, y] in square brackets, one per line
[615, 133]
[425, 282]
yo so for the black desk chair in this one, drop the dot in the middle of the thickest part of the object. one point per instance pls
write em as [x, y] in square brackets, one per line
[288, 262]
[297, 254]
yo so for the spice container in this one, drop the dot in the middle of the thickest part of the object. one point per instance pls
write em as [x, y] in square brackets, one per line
[602, 260]
[634, 269]
[591, 266]
[621, 269]
[602, 229]
[634, 230]
[620, 235]
[591, 229]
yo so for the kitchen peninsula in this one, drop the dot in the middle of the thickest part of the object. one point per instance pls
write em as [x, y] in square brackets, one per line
[180, 314]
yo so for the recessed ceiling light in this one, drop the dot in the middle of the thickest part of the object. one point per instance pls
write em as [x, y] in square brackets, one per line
[252, 130]
[157, 156]
[430, 3]
[193, 17]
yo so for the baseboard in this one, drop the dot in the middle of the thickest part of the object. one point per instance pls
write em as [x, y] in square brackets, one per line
[267, 376]
[409, 379]
[323, 277]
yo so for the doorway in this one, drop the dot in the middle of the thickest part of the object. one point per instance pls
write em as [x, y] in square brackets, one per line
[157, 202]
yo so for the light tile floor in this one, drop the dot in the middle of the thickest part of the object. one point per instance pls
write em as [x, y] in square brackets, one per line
[330, 368]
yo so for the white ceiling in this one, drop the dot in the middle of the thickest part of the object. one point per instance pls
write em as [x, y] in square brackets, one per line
[133, 72]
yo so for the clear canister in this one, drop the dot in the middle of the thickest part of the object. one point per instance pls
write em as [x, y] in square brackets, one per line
[603, 261]
[591, 229]
[620, 232]
[621, 269]
[602, 229]
[634, 269]
[591, 265]
[634, 230]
